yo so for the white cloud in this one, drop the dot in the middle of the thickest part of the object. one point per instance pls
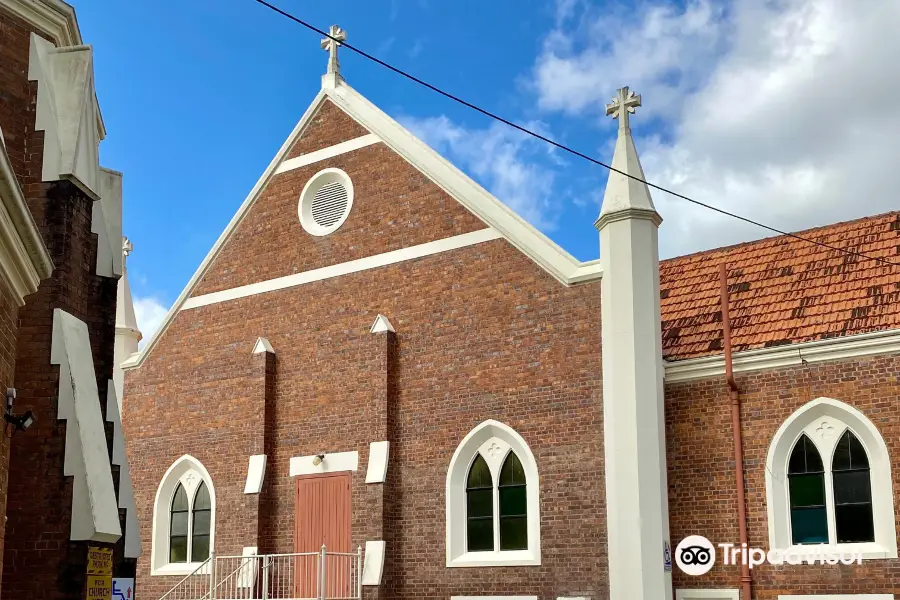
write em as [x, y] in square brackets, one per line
[149, 312]
[794, 122]
[515, 167]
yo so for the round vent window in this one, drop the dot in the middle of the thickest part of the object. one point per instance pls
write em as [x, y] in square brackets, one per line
[325, 202]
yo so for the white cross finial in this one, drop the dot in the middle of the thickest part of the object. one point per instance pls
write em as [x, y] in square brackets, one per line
[624, 103]
[330, 45]
[127, 246]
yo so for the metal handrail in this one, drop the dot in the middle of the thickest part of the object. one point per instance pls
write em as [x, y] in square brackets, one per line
[194, 572]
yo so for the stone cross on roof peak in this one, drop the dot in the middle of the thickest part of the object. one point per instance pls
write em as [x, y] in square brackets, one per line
[336, 35]
[625, 102]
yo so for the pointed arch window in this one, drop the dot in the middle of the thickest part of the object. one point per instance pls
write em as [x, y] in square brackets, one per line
[178, 527]
[852, 491]
[493, 500]
[828, 481]
[480, 507]
[200, 522]
[183, 519]
[806, 479]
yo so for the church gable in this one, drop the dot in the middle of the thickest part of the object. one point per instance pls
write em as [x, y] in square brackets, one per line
[391, 206]
[328, 126]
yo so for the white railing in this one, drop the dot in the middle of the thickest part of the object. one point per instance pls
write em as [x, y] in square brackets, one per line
[319, 575]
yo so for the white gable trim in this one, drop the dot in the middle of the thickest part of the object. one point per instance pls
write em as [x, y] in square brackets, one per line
[839, 348]
[556, 261]
[325, 153]
[53, 17]
[352, 266]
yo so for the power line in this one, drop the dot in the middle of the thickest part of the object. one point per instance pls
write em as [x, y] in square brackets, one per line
[563, 147]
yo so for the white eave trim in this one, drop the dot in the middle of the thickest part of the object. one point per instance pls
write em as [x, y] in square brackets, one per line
[53, 17]
[851, 346]
[534, 244]
[24, 259]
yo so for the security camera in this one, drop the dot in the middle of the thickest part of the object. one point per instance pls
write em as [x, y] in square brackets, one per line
[317, 459]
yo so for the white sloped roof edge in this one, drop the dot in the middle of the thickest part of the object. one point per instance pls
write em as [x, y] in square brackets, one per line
[531, 242]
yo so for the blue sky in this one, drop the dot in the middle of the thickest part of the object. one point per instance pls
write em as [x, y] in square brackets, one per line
[744, 107]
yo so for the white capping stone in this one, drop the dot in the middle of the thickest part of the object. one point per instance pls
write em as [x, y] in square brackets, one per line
[381, 325]
[332, 463]
[262, 345]
[95, 510]
[378, 462]
[373, 563]
[256, 472]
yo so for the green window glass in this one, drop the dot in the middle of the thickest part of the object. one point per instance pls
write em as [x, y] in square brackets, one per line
[479, 507]
[178, 526]
[513, 505]
[201, 522]
[806, 485]
[853, 518]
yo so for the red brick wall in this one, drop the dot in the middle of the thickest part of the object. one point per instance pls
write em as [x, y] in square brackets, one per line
[701, 466]
[9, 310]
[482, 333]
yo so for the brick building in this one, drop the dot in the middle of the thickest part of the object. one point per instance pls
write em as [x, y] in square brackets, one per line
[64, 478]
[379, 355]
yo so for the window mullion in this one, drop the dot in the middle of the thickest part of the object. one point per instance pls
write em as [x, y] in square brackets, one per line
[496, 516]
[190, 530]
[830, 515]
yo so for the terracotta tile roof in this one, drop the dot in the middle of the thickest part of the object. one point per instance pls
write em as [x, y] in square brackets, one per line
[784, 290]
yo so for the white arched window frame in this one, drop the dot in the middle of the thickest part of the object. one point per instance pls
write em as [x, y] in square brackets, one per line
[494, 441]
[823, 421]
[190, 473]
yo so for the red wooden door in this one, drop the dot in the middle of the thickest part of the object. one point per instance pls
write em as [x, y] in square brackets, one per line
[322, 517]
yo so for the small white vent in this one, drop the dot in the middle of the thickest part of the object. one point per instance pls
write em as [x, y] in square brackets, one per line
[329, 204]
[325, 202]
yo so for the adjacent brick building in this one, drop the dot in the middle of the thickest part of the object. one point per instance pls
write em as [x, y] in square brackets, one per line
[378, 354]
[61, 479]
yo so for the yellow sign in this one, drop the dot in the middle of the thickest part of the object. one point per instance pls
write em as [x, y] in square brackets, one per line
[99, 562]
[99, 587]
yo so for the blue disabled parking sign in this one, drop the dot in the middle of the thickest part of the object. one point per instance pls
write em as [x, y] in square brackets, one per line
[667, 556]
[123, 588]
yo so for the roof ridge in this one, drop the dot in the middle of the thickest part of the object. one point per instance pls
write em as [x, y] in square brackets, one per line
[802, 233]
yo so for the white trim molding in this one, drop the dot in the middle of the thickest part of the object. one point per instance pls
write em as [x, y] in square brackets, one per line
[493, 441]
[24, 259]
[53, 17]
[330, 463]
[728, 594]
[836, 597]
[190, 473]
[326, 153]
[352, 266]
[850, 346]
[564, 267]
[823, 421]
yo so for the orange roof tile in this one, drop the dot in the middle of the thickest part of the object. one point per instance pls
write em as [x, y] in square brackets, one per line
[784, 290]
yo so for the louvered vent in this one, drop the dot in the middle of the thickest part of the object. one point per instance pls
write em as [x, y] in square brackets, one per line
[329, 204]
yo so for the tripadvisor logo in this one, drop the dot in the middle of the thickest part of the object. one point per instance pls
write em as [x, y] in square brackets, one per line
[696, 555]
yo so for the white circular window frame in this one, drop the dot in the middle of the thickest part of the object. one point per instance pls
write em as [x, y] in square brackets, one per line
[315, 183]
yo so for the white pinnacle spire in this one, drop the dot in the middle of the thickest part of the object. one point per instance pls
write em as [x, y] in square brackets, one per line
[624, 194]
[128, 335]
[331, 44]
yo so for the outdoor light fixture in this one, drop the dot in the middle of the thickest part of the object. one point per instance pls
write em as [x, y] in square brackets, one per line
[317, 459]
[23, 421]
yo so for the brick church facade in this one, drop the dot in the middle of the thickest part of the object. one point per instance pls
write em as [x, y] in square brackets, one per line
[379, 356]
